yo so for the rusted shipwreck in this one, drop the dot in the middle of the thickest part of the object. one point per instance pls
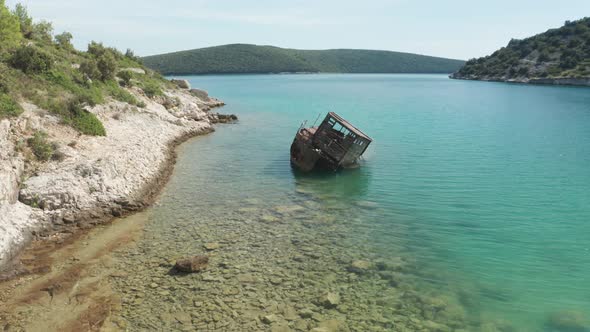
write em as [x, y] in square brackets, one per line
[333, 145]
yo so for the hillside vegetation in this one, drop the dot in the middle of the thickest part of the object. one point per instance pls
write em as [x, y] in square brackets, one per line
[44, 69]
[556, 53]
[244, 58]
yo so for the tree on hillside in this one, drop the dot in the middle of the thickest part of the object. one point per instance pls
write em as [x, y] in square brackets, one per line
[90, 69]
[96, 49]
[31, 59]
[43, 32]
[131, 55]
[107, 65]
[64, 40]
[10, 33]
[25, 21]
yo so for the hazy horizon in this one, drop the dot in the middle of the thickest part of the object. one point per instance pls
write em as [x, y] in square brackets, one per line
[454, 29]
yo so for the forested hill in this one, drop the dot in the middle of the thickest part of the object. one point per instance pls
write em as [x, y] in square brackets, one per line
[245, 58]
[42, 68]
[560, 56]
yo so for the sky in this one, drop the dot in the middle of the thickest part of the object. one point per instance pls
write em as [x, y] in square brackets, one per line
[460, 29]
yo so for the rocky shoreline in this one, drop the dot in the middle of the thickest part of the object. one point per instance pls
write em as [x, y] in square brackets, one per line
[568, 81]
[98, 178]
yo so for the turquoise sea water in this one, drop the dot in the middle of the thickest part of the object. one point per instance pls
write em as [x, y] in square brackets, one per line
[486, 186]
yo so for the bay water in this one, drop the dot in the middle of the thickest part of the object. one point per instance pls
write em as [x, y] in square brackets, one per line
[470, 211]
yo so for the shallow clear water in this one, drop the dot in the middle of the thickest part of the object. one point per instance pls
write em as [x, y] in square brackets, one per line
[482, 188]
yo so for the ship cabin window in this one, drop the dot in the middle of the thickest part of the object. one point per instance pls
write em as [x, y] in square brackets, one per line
[340, 128]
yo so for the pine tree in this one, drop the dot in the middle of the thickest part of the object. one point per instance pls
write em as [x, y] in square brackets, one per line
[10, 33]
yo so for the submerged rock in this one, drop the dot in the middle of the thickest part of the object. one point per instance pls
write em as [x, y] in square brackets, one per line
[267, 218]
[359, 266]
[247, 279]
[330, 300]
[211, 246]
[289, 209]
[192, 264]
[280, 328]
[269, 319]
[332, 325]
[569, 321]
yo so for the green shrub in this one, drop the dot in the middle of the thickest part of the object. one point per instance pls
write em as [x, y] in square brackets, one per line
[31, 59]
[4, 81]
[43, 32]
[91, 96]
[121, 94]
[62, 79]
[41, 147]
[10, 33]
[129, 54]
[107, 66]
[125, 76]
[85, 122]
[90, 69]
[96, 49]
[152, 89]
[64, 40]
[25, 21]
[8, 107]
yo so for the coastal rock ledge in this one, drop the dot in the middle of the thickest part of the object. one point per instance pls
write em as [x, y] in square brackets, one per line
[98, 178]
[571, 81]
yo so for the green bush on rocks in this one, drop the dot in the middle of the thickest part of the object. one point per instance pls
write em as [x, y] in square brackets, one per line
[84, 121]
[90, 69]
[151, 90]
[64, 40]
[40, 146]
[125, 76]
[107, 66]
[8, 107]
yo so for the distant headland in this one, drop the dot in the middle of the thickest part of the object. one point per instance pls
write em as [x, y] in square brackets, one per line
[558, 56]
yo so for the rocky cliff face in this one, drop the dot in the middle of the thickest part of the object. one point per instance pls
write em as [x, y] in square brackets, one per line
[99, 177]
[16, 219]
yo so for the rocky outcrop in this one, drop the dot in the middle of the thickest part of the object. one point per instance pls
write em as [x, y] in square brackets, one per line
[16, 219]
[561, 81]
[139, 71]
[183, 84]
[99, 177]
[525, 80]
[201, 94]
[11, 166]
[17, 223]
[222, 118]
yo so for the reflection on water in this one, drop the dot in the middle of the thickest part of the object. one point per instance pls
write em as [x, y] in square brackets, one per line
[349, 185]
[470, 213]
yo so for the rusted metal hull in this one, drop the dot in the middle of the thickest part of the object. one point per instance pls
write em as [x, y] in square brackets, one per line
[306, 157]
[334, 144]
[303, 155]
